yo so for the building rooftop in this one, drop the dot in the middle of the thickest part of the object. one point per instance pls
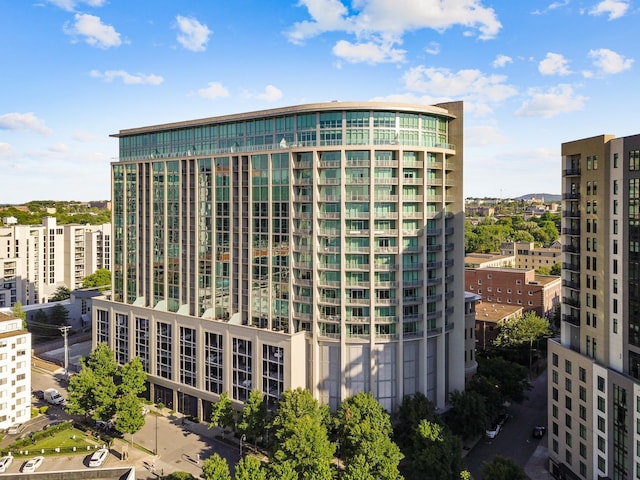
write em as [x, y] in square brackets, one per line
[495, 312]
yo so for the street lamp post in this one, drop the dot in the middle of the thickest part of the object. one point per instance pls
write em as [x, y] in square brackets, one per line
[156, 450]
[242, 439]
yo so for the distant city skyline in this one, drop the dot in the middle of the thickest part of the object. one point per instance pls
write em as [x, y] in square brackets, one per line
[531, 74]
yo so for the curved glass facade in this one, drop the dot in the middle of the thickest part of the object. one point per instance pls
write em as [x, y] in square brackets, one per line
[339, 223]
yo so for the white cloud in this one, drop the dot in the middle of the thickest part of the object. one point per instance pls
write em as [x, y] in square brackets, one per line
[556, 5]
[609, 62]
[127, 78]
[23, 122]
[469, 85]
[554, 101]
[58, 148]
[214, 90]
[96, 33]
[501, 61]
[483, 135]
[270, 94]
[6, 150]
[70, 5]
[193, 34]
[554, 64]
[368, 52]
[383, 23]
[433, 48]
[613, 8]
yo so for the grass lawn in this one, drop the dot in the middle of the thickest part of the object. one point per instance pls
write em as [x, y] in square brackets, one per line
[68, 438]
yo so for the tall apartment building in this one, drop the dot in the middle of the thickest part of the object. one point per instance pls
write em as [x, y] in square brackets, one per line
[35, 260]
[15, 372]
[594, 387]
[316, 246]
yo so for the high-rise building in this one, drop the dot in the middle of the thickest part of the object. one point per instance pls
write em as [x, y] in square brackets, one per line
[15, 372]
[594, 367]
[35, 260]
[317, 246]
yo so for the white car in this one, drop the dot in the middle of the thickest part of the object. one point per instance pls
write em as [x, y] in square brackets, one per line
[98, 457]
[5, 462]
[32, 465]
[14, 429]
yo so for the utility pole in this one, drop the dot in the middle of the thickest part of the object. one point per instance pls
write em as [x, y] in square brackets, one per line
[65, 330]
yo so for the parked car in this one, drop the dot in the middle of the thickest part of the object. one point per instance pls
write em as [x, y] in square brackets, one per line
[539, 431]
[493, 431]
[102, 425]
[39, 394]
[33, 464]
[14, 429]
[54, 423]
[98, 457]
[497, 425]
[5, 462]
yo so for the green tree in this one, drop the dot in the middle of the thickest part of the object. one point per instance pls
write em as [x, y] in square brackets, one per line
[301, 440]
[59, 315]
[250, 468]
[364, 428]
[101, 279]
[254, 416]
[468, 415]
[129, 418]
[556, 269]
[215, 468]
[412, 410]
[18, 312]
[179, 475]
[133, 378]
[282, 471]
[62, 293]
[543, 271]
[222, 414]
[510, 379]
[523, 331]
[502, 468]
[357, 468]
[436, 453]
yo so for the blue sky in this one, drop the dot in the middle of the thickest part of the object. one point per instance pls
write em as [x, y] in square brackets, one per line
[533, 74]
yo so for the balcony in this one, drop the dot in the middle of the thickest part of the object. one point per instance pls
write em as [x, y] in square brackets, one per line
[572, 267]
[571, 248]
[571, 213]
[575, 285]
[572, 171]
[574, 302]
[574, 232]
[574, 196]
[573, 320]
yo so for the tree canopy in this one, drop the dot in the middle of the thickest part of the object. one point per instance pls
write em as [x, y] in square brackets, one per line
[215, 468]
[301, 439]
[364, 429]
[101, 278]
[104, 390]
[502, 468]
[468, 415]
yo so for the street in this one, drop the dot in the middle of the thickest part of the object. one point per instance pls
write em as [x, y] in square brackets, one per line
[515, 438]
[181, 444]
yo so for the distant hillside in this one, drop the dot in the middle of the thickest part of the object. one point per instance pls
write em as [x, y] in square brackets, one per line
[547, 197]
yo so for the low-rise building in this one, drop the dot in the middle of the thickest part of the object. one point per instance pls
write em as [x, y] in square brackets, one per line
[489, 317]
[488, 260]
[527, 255]
[516, 286]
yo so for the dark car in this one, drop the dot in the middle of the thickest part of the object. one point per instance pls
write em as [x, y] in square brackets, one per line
[39, 394]
[539, 431]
